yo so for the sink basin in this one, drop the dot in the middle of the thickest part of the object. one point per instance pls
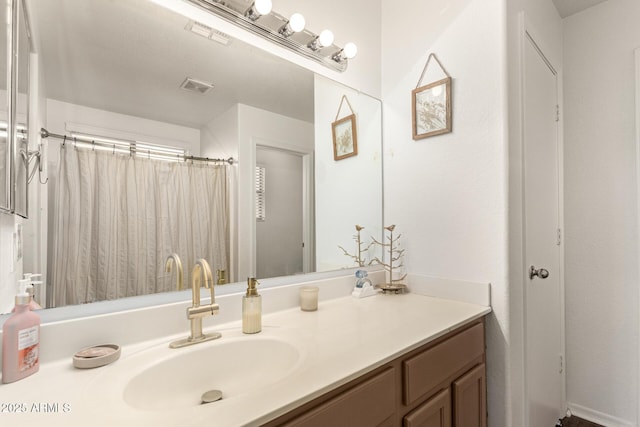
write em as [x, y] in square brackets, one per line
[235, 366]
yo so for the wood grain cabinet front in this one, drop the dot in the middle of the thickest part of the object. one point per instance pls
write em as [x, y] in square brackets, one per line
[470, 398]
[441, 384]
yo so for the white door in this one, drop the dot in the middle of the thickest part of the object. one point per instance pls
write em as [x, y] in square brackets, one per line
[543, 289]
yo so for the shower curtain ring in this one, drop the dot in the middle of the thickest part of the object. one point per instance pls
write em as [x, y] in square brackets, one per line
[64, 140]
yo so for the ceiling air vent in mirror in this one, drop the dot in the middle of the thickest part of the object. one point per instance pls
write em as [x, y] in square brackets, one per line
[197, 86]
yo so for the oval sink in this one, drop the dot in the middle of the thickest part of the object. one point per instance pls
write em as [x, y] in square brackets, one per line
[234, 366]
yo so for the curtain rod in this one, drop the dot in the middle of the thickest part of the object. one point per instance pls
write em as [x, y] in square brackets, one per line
[132, 148]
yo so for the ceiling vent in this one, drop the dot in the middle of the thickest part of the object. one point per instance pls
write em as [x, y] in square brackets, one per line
[197, 86]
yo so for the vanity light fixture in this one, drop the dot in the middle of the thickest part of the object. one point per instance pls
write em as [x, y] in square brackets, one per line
[259, 8]
[295, 24]
[261, 20]
[349, 51]
[325, 39]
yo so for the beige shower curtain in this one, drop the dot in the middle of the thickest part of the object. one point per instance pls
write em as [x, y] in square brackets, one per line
[117, 218]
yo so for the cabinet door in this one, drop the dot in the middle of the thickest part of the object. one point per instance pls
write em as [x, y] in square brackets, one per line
[470, 399]
[426, 372]
[435, 412]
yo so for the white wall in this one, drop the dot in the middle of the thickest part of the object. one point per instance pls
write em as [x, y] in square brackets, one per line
[219, 139]
[601, 210]
[10, 271]
[447, 194]
[347, 190]
[35, 228]
[543, 21]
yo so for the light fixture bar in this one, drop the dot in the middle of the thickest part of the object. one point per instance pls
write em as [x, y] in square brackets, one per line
[319, 55]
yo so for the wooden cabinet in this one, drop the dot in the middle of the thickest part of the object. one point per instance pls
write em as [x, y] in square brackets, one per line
[440, 384]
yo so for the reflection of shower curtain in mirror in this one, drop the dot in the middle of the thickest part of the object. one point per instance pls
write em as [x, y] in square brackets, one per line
[118, 217]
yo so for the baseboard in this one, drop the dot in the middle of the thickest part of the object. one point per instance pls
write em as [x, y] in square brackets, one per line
[598, 417]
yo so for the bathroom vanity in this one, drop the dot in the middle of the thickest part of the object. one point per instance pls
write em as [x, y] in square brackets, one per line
[386, 360]
[439, 382]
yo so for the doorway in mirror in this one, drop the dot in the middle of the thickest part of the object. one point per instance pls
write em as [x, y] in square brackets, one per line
[279, 237]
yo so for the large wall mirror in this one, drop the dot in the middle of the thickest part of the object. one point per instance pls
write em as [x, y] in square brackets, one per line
[125, 83]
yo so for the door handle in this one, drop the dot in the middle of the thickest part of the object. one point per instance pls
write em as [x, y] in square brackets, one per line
[540, 272]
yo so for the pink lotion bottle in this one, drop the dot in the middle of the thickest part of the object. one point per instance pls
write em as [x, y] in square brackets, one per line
[20, 340]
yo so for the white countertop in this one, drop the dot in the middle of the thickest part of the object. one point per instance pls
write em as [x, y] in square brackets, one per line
[344, 339]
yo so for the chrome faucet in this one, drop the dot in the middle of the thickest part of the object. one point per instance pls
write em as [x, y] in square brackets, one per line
[171, 259]
[201, 273]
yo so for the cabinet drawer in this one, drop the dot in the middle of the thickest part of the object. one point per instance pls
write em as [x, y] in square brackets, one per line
[368, 404]
[425, 371]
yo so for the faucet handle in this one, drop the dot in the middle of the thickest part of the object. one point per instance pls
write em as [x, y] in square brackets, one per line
[174, 258]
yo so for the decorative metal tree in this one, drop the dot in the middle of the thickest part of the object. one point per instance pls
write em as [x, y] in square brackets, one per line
[395, 255]
[357, 258]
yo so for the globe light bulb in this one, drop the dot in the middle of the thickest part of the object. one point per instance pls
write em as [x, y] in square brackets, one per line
[297, 22]
[326, 38]
[350, 50]
[263, 7]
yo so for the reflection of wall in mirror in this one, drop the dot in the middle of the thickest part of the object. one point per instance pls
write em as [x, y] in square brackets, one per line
[348, 192]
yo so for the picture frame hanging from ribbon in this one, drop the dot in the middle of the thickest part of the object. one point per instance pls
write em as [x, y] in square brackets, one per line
[431, 105]
[345, 134]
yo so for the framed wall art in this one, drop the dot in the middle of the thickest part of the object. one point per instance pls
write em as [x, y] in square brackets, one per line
[431, 106]
[345, 135]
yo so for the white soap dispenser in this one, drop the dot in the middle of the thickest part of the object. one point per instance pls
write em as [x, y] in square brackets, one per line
[251, 308]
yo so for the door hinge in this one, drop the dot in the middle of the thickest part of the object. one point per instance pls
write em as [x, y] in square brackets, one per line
[557, 113]
[561, 364]
[559, 237]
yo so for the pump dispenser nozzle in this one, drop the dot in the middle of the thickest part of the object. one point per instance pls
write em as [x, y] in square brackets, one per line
[252, 282]
[23, 297]
[26, 291]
